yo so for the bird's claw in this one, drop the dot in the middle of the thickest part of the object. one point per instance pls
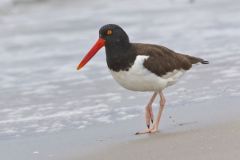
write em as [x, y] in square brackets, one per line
[148, 131]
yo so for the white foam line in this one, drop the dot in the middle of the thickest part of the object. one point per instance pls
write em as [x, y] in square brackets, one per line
[36, 118]
[102, 95]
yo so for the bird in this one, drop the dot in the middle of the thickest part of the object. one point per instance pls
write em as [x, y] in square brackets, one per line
[141, 67]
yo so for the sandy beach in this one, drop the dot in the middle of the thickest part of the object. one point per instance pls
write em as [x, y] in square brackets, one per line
[198, 137]
[218, 142]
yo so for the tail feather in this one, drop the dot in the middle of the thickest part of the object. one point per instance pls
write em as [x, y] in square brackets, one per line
[195, 60]
[204, 62]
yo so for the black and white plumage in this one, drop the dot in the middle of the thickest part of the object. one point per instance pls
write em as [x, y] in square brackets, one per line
[141, 67]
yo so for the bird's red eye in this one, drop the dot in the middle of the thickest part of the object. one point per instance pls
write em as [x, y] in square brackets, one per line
[109, 32]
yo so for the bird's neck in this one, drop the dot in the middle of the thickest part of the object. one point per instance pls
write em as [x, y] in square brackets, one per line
[119, 56]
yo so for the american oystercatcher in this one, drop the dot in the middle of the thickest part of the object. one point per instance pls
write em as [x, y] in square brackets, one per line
[141, 67]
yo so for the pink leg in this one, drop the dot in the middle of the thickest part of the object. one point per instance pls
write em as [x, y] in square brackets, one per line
[162, 104]
[149, 113]
[148, 110]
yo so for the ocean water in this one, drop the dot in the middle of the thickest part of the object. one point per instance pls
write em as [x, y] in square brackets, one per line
[42, 41]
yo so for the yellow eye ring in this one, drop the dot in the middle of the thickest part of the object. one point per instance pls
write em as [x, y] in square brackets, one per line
[109, 32]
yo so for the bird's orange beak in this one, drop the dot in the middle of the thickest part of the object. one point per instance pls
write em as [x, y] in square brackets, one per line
[98, 45]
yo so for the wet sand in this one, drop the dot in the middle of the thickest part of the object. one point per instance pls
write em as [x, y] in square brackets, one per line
[203, 130]
[219, 142]
[195, 136]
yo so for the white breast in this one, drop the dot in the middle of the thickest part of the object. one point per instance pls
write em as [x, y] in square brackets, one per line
[138, 78]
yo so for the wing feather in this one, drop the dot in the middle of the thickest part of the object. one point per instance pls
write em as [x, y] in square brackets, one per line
[161, 59]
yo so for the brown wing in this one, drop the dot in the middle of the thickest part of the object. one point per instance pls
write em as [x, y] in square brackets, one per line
[162, 60]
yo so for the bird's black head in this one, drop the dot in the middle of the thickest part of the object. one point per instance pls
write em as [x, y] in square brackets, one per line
[113, 35]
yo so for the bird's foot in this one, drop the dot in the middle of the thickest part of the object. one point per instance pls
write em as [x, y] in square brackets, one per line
[143, 132]
[154, 130]
[148, 131]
